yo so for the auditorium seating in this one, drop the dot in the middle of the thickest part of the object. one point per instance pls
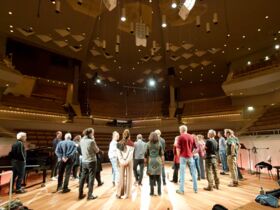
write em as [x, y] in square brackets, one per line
[33, 103]
[268, 121]
[100, 108]
[215, 105]
[259, 66]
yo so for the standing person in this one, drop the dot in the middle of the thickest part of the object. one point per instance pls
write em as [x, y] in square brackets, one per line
[154, 159]
[98, 169]
[89, 150]
[186, 145]
[201, 152]
[65, 152]
[162, 141]
[176, 161]
[55, 162]
[125, 157]
[114, 157]
[18, 157]
[232, 150]
[196, 157]
[76, 164]
[211, 148]
[222, 153]
[139, 153]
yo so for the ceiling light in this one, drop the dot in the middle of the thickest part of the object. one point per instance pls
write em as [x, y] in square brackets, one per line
[237, 48]
[115, 61]
[186, 8]
[133, 68]
[189, 4]
[249, 48]
[275, 38]
[266, 17]
[214, 65]
[163, 21]
[123, 18]
[11, 26]
[228, 35]
[201, 80]
[241, 93]
[120, 67]
[53, 2]
[259, 29]
[215, 18]
[243, 36]
[212, 72]
[181, 78]
[223, 51]
[266, 58]
[180, 72]
[201, 75]
[152, 83]
[279, 32]
[277, 47]
[249, 63]
[174, 4]
[225, 45]
[57, 6]
[197, 21]
[98, 80]
[190, 82]
[10, 13]
[11, 31]
[250, 108]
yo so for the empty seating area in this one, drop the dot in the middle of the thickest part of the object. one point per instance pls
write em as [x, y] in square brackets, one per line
[215, 105]
[259, 66]
[33, 103]
[270, 120]
[101, 108]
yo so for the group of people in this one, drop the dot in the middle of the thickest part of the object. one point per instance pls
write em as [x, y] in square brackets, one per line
[129, 158]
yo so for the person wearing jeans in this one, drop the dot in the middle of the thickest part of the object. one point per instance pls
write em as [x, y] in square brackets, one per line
[186, 145]
[222, 153]
[139, 153]
[18, 157]
[196, 158]
[89, 150]
[114, 157]
[162, 142]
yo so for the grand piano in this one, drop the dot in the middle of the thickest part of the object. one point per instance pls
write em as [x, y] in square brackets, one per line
[37, 160]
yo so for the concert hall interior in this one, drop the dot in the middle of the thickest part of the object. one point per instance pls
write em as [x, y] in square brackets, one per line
[167, 104]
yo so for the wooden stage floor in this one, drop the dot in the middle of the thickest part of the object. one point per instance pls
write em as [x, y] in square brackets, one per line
[43, 198]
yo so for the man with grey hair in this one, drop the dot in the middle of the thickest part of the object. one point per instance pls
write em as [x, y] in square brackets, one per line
[211, 148]
[65, 152]
[18, 157]
[112, 154]
[162, 142]
[185, 146]
[139, 153]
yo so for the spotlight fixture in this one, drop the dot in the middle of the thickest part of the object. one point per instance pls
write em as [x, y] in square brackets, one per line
[163, 23]
[208, 27]
[147, 32]
[266, 58]
[123, 18]
[250, 108]
[174, 4]
[277, 46]
[58, 6]
[152, 82]
[131, 27]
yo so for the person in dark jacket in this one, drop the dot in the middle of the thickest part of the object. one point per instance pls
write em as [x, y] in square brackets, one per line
[98, 169]
[76, 164]
[18, 157]
[55, 162]
[65, 152]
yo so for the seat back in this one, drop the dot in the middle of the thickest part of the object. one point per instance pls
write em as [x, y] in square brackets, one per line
[5, 177]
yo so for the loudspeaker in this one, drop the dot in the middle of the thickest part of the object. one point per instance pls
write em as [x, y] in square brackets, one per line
[171, 71]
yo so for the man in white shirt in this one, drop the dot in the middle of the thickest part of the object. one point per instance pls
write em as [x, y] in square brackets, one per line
[114, 157]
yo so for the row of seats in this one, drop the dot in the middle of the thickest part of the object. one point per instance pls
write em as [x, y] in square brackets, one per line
[33, 103]
[121, 110]
[257, 67]
[268, 121]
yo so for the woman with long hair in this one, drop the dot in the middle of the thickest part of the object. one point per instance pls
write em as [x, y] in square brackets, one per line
[176, 161]
[125, 158]
[154, 158]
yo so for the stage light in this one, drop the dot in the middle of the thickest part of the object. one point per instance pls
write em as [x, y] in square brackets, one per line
[174, 4]
[250, 108]
[98, 80]
[152, 83]
[123, 18]
[277, 46]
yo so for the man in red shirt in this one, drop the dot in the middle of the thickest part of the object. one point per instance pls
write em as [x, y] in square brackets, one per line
[186, 145]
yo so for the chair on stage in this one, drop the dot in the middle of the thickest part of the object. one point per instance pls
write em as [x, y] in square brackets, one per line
[261, 165]
[5, 178]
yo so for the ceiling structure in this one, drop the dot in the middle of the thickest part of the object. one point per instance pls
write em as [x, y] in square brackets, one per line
[200, 54]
